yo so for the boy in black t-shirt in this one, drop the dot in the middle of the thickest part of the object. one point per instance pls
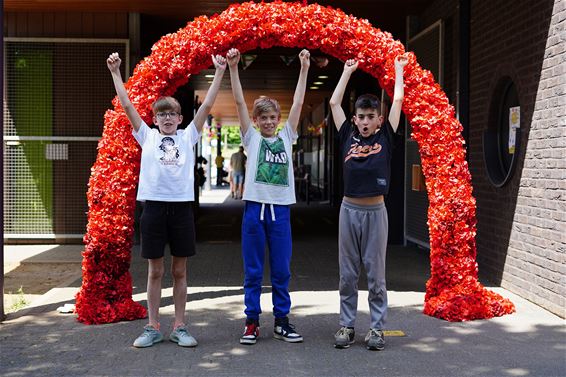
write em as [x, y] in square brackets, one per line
[366, 152]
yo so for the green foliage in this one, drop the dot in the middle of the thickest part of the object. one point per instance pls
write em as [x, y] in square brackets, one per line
[18, 302]
[233, 135]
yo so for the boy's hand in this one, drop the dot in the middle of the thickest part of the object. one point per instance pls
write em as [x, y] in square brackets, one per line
[113, 62]
[305, 57]
[233, 57]
[350, 66]
[401, 61]
[219, 62]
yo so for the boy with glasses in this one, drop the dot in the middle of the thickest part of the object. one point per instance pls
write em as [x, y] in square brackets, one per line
[166, 186]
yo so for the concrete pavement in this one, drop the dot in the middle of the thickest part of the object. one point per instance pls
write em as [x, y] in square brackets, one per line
[41, 341]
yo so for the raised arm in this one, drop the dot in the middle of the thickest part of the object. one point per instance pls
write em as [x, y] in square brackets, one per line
[299, 97]
[233, 57]
[113, 62]
[204, 109]
[399, 92]
[336, 100]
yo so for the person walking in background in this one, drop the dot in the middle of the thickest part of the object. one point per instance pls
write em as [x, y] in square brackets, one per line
[238, 170]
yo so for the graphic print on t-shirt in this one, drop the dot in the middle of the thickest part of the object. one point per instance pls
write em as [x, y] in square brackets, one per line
[170, 151]
[360, 151]
[272, 163]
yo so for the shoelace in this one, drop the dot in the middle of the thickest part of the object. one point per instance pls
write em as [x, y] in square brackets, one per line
[149, 331]
[251, 329]
[182, 330]
[374, 332]
[343, 331]
[288, 328]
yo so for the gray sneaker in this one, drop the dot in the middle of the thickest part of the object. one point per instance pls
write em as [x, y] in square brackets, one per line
[149, 337]
[182, 337]
[344, 337]
[374, 340]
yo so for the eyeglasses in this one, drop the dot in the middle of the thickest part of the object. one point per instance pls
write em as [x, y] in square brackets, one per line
[172, 114]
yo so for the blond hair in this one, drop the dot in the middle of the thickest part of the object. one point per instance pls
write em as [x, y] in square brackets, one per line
[166, 103]
[265, 104]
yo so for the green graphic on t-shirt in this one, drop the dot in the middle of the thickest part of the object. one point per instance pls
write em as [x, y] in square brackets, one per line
[272, 163]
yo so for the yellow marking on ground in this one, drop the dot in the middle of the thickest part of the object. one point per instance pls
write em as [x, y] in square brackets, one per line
[393, 333]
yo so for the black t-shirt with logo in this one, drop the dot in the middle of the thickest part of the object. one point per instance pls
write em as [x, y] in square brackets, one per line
[366, 161]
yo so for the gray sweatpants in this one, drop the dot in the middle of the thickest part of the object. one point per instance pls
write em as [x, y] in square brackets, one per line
[362, 238]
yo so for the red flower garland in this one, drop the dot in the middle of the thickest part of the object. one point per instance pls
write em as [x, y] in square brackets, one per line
[453, 291]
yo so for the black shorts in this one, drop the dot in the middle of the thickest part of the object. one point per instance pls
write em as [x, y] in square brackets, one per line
[164, 223]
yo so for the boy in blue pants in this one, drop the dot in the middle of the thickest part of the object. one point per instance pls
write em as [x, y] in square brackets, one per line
[362, 232]
[269, 192]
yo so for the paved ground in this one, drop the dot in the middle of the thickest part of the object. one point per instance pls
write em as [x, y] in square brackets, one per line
[41, 341]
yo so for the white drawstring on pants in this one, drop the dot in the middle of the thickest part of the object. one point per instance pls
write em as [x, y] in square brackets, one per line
[262, 210]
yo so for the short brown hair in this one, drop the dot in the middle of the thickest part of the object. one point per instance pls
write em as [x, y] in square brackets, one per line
[368, 101]
[166, 103]
[264, 104]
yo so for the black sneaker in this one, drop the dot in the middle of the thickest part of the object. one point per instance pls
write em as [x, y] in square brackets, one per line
[251, 332]
[374, 340]
[285, 331]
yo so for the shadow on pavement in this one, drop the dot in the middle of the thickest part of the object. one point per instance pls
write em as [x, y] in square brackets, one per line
[39, 341]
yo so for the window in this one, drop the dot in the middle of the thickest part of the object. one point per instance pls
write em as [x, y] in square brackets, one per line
[501, 141]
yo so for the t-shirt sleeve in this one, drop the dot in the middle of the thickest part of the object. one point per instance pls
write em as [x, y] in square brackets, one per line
[344, 132]
[391, 135]
[289, 133]
[193, 133]
[141, 134]
[247, 138]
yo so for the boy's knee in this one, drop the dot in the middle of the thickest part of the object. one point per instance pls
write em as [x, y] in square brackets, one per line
[280, 277]
[348, 283]
[254, 276]
[179, 272]
[155, 273]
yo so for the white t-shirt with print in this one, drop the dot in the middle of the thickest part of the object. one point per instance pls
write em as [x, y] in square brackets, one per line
[167, 164]
[269, 170]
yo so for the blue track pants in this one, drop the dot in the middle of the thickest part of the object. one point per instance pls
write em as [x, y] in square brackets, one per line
[271, 223]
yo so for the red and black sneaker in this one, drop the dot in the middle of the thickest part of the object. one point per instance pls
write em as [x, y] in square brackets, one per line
[251, 332]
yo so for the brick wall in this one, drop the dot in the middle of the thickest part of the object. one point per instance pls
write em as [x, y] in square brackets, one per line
[536, 266]
[521, 235]
[66, 25]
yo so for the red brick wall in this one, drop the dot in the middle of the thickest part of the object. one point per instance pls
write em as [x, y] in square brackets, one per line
[66, 25]
[521, 226]
[511, 40]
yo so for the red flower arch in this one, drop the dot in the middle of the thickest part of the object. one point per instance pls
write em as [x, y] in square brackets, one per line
[453, 291]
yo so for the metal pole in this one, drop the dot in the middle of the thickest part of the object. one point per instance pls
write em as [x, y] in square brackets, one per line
[2, 316]
[219, 165]
[208, 184]
[463, 101]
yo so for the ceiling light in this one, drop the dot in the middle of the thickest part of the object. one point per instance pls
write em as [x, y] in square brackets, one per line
[323, 77]
[209, 76]
[318, 83]
[313, 87]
